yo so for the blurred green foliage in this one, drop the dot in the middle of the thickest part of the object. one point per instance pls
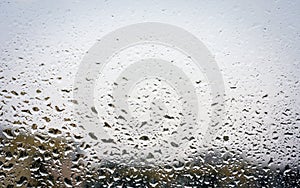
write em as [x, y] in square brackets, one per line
[36, 160]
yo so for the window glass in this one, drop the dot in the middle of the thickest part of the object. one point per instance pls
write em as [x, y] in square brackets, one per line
[149, 93]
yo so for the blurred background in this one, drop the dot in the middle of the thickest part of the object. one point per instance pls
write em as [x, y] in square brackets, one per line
[255, 44]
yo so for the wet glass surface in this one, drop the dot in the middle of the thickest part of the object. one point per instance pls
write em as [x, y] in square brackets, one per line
[149, 94]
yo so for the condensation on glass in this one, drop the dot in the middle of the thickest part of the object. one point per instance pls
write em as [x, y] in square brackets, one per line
[149, 94]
